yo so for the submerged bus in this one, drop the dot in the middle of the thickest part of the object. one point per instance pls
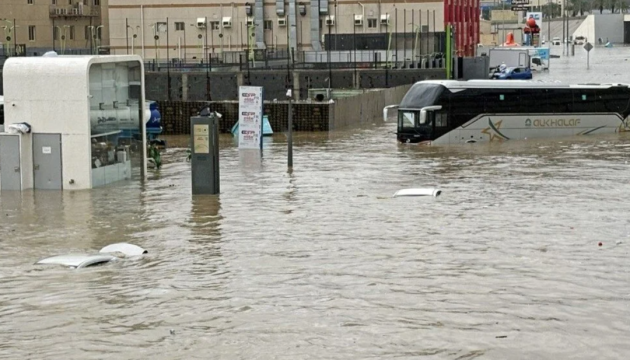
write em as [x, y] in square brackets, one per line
[453, 112]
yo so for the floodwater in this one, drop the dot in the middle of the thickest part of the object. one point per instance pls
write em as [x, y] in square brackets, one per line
[323, 263]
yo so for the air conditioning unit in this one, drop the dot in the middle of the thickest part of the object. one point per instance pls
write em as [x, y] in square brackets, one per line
[358, 20]
[282, 22]
[226, 22]
[201, 23]
[385, 19]
[330, 20]
[250, 22]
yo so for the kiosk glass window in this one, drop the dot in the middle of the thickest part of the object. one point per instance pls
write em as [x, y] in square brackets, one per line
[115, 124]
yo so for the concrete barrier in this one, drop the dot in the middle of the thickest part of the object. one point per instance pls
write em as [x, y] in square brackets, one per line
[366, 108]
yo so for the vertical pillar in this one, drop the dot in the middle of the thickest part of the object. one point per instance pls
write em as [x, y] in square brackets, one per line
[477, 22]
[184, 87]
[240, 79]
[296, 86]
[460, 26]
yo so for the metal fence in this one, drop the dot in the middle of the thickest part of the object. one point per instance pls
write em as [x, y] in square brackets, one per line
[302, 60]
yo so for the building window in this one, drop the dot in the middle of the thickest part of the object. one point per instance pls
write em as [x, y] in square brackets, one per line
[72, 32]
[87, 33]
[371, 23]
[55, 33]
[179, 26]
[99, 33]
[214, 25]
[54, 2]
[31, 33]
[85, 2]
[161, 27]
[268, 25]
[30, 2]
[97, 2]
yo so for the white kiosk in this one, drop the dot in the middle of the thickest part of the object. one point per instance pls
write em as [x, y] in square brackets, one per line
[86, 125]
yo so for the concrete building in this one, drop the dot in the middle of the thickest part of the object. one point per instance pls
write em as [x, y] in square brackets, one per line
[608, 27]
[140, 26]
[67, 26]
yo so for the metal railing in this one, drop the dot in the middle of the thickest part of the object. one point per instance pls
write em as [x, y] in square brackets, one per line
[304, 60]
[76, 10]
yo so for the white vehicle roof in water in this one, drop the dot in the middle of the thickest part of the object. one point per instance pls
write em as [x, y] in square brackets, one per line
[76, 261]
[79, 261]
[512, 84]
[418, 192]
[123, 248]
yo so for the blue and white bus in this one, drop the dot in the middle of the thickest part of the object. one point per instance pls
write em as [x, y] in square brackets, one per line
[452, 112]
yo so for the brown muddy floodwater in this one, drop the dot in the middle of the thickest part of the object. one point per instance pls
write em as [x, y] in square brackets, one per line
[324, 264]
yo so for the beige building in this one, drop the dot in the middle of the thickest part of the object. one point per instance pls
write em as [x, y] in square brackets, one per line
[68, 26]
[139, 26]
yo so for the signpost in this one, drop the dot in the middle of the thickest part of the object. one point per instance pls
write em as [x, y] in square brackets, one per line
[588, 47]
[520, 5]
[250, 121]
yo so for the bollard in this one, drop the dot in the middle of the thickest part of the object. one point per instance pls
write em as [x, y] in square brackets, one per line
[572, 49]
[204, 160]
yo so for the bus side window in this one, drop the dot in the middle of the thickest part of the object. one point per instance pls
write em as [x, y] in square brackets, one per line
[430, 118]
[441, 119]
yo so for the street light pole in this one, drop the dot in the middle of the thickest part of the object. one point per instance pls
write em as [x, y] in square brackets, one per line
[127, 34]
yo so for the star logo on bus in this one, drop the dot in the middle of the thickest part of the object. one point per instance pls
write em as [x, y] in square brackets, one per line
[493, 131]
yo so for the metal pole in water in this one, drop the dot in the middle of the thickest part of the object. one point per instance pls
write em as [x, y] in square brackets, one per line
[290, 137]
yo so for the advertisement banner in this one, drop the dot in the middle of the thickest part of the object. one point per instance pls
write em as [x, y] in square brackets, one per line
[250, 122]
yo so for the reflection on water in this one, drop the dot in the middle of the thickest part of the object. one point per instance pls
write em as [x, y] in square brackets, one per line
[324, 263]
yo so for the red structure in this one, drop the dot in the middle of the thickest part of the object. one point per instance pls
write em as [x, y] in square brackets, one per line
[532, 32]
[463, 15]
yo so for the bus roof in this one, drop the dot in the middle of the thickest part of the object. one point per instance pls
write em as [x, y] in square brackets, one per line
[514, 84]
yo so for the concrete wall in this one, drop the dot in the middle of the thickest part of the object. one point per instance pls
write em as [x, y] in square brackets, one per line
[604, 26]
[366, 108]
[587, 29]
[608, 26]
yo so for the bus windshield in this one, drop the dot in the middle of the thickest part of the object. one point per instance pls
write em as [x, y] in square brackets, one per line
[407, 119]
[421, 95]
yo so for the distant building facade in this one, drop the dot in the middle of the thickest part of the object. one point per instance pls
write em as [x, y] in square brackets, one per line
[33, 27]
[140, 26]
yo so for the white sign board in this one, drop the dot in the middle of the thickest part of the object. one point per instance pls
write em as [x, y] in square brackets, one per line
[46, 150]
[250, 106]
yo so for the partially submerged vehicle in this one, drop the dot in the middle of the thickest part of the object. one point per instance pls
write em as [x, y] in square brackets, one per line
[107, 254]
[451, 112]
[516, 73]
